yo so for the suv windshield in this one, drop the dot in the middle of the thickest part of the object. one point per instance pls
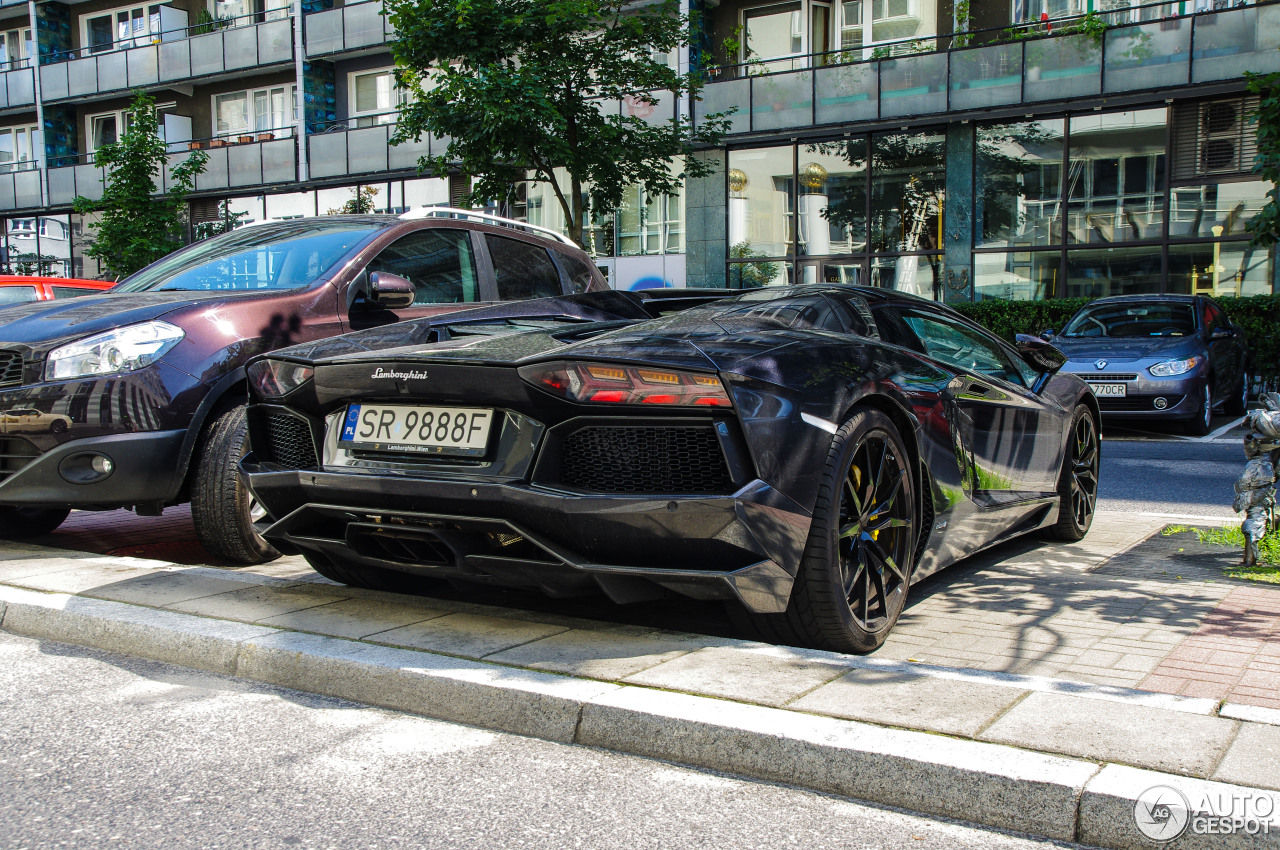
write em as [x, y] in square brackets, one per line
[1133, 320]
[280, 255]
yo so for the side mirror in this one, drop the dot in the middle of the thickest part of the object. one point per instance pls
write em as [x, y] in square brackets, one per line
[390, 291]
[1222, 333]
[1047, 333]
[1042, 356]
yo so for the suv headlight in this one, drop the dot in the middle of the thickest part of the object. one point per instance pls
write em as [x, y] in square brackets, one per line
[1169, 368]
[121, 350]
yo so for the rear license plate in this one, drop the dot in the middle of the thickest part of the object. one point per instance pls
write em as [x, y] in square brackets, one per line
[424, 430]
[1110, 390]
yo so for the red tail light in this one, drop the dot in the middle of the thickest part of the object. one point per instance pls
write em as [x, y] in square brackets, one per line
[604, 383]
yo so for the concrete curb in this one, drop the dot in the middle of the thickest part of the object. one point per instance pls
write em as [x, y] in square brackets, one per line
[991, 784]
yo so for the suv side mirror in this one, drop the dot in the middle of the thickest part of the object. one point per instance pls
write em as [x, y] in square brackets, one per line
[390, 291]
[1042, 356]
[1223, 333]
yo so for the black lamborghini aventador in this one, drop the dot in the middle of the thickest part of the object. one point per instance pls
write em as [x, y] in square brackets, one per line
[807, 453]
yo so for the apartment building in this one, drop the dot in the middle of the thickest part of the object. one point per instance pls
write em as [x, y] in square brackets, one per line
[880, 142]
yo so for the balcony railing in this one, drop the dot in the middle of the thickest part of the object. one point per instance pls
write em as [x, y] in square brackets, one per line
[340, 151]
[17, 88]
[348, 28]
[1152, 56]
[204, 55]
[19, 189]
[231, 165]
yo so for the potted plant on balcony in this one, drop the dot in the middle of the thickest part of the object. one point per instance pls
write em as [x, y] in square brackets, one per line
[195, 146]
[244, 139]
[266, 137]
[219, 143]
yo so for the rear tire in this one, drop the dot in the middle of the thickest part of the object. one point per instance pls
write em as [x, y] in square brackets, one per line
[222, 507]
[1200, 424]
[370, 578]
[19, 523]
[1078, 480]
[853, 578]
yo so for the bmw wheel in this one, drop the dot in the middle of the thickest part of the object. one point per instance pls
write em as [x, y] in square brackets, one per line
[1078, 480]
[853, 578]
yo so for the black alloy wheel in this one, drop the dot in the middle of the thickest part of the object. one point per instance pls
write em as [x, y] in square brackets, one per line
[875, 533]
[1078, 481]
[853, 578]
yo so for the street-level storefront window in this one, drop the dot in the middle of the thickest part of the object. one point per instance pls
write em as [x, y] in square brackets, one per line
[1212, 210]
[832, 215]
[1018, 184]
[1017, 275]
[761, 193]
[856, 210]
[1099, 272]
[1116, 178]
[1220, 268]
[908, 187]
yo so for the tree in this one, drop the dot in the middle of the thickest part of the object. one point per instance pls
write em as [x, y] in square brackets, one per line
[1265, 225]
[137, 226]
[520, 87]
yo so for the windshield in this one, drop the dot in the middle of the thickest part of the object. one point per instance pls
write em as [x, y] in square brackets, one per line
[1133, 320]
[280, 255]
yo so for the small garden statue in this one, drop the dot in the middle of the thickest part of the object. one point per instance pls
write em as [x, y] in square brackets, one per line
[1256, 488]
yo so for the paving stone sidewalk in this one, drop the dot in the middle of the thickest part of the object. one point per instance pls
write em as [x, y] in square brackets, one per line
[1028, 646]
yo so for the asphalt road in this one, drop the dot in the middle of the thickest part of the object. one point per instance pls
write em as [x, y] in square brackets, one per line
[1148, 472]
[100, 750]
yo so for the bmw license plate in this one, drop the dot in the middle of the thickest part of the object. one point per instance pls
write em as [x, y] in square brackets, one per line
[424, 430]
[1110, 390]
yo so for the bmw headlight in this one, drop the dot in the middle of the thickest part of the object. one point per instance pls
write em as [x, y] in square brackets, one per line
[1169, 368]
[121, 350]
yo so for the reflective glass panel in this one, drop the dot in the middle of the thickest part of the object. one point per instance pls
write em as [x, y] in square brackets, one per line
[1017, 275]
[1096, 272]
[761, 186]
[1215, 209]
[833, 198]
[1220, 268]
[912, 274]
[1019, 181]
[908, 185]
[752, 275]
[1116, 178]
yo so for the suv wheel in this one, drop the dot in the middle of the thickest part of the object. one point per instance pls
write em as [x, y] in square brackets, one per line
[1200, 424]
[222, 507]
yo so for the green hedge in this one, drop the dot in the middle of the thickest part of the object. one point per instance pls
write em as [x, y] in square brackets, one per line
[1259, 315]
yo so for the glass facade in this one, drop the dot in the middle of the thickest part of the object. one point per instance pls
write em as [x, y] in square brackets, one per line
[867, 209]
[1085, 205]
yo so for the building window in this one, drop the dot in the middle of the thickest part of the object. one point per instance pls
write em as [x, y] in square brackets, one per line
[376, 98]
[270, 110]
[249, 12]
[1116, 177]
[15, 48]
[116, 29]
[17, 148]
[1018, 197]
[650, 225]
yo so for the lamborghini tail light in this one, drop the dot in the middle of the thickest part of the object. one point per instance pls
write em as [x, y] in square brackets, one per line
[601, 383]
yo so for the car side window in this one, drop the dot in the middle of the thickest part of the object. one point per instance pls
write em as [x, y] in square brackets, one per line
[578, 272]
[522, 270]
[1214, 318]
[963, 347]
[439, 263]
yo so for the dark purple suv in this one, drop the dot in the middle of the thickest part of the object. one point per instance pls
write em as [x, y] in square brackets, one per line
[142, 389]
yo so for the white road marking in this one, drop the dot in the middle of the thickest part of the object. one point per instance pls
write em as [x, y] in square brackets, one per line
[1221, 431]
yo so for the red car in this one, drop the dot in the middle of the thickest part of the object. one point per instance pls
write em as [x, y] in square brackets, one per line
[21, 289]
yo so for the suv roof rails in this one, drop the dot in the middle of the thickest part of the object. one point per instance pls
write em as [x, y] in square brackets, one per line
[486, 218]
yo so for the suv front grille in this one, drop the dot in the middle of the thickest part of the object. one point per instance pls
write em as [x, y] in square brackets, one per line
[645, 459]
[1108, 376]
[15, 453]
[291, 443]
[10, 369]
